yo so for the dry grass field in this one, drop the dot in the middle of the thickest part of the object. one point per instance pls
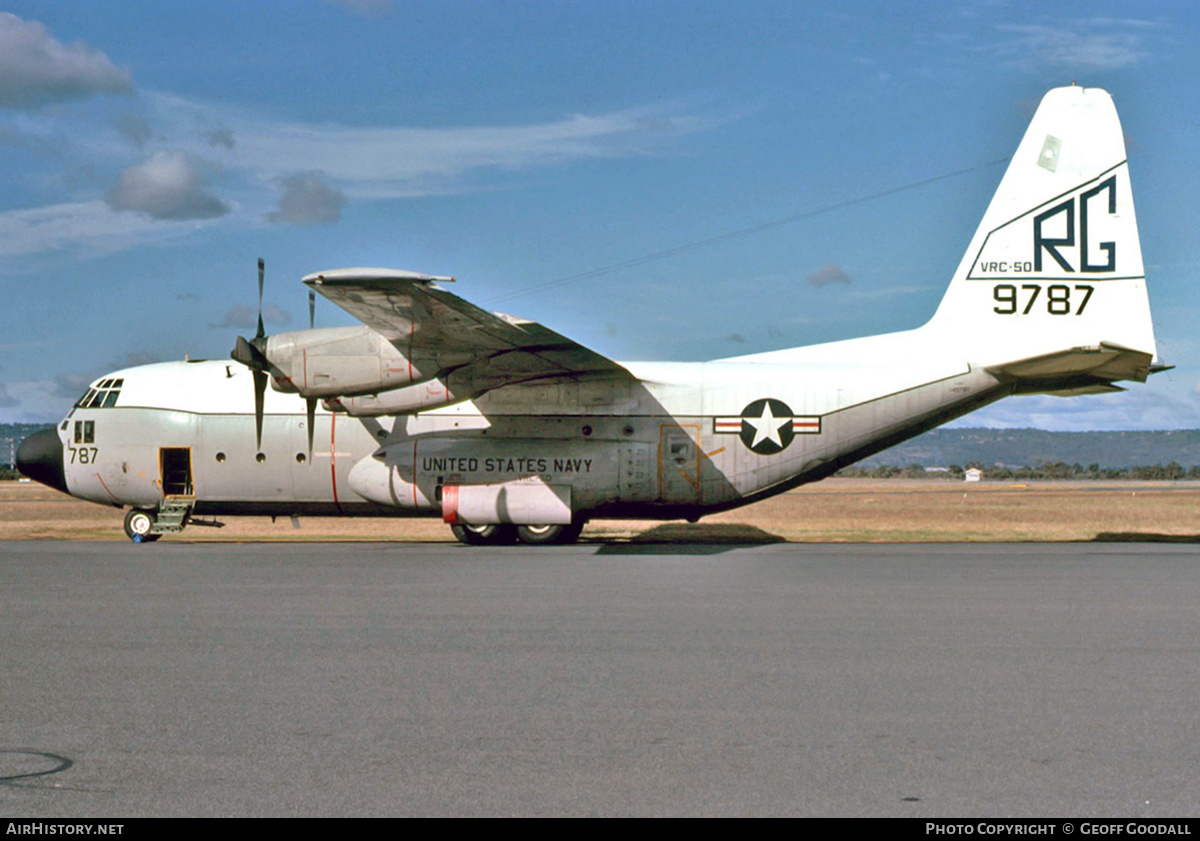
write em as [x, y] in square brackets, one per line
[852, 510]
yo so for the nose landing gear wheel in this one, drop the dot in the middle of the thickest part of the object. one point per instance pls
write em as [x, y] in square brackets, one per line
[490, 535]
[138, 523]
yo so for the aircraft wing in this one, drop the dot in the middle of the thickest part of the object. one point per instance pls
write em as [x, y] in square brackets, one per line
[423, 320]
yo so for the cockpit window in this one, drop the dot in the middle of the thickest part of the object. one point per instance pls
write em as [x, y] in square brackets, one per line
[104, 395]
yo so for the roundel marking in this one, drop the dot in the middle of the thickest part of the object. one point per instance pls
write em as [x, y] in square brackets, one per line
[767, 426]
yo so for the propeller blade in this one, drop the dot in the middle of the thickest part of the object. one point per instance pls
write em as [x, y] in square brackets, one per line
[311, 405]
[249, 354]
[252, 353]
[312, 308]
[260, 393]
[261, 270]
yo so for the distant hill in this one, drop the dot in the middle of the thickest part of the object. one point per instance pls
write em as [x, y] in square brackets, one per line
[1031, 447]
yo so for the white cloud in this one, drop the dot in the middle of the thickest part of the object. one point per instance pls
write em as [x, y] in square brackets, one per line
[399, 162]
[36, 69]
[1087, 45]
[167, 186]
[245, 317]
[72, 384]
[92, 224]
[257, 156]
[133, 128]
[827, 275]
[307, 200]
[35, 401]
[219, 136]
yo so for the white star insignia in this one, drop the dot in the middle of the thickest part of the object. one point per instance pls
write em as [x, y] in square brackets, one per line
[766, 427]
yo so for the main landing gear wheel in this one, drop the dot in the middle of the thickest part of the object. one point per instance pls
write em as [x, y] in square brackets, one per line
[549, 535]
[138, 523]
[489, 535]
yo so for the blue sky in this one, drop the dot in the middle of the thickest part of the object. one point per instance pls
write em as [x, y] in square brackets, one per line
[150, 152]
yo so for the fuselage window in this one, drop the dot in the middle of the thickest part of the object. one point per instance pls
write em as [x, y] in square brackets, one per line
[85, 432]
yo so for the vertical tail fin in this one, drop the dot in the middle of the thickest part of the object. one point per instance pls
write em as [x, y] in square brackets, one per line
[1056, 263]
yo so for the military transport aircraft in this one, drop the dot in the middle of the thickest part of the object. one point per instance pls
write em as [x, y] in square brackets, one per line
[510, 431]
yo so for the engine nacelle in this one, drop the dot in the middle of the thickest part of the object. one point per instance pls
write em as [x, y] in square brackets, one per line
[336, 361]
[431, 394]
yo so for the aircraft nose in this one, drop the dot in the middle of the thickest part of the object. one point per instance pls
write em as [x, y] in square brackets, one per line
[40, 457]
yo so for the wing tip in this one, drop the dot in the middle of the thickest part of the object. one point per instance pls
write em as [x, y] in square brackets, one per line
[364, 274]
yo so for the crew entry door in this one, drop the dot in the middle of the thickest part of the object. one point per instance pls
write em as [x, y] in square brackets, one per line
[175, 468]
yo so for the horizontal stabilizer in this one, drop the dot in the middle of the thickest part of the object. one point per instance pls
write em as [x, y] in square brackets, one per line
[1087, 389]
[1080, 370]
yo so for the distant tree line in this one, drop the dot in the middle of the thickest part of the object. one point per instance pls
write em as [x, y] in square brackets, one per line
[1046, 470]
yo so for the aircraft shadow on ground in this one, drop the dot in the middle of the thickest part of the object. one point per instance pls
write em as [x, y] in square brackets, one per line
[694, 539]
[1144, 537]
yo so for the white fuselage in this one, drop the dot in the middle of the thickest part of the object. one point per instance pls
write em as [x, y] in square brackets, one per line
[679, 440]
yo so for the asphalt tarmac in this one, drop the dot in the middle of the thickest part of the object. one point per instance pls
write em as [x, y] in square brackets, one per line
[986, 680]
